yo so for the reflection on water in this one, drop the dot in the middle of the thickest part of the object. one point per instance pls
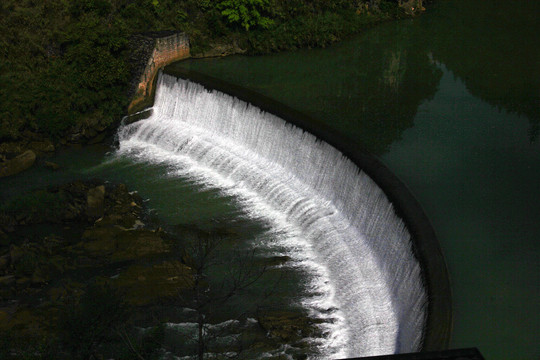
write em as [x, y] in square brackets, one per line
[451, 102]
[369, 89]
[476, 174]
[493, 48]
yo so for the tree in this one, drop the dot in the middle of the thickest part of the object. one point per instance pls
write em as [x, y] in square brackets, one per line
[219, 273]
[89, 321]
[247, 13]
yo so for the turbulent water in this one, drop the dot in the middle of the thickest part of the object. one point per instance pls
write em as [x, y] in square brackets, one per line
[331, 217]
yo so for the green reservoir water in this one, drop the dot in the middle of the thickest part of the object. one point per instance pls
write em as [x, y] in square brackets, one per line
[450, 101]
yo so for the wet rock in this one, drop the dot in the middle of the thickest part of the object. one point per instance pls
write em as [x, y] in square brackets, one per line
[12, 148]
[76, 189]
[137, 244]
[7, 222]
[147, 284]
[72, 211]
[89, 133]
[44, 146]
[220, 49]
[18, 164]
[7, 280]
[277, 260]
[118, 244]
[287, 325]
[122, 220]
[22, 282]
[412, 7]
[26, 264]
[57, 293]
[32, 136]
[75, 137]
[4, 238]
[51, 165]
[100, 241]
[15, 253]
[97, 139]
[40, 276]
[4, 318]
[26, 322]
[95, 201]
[4, 262]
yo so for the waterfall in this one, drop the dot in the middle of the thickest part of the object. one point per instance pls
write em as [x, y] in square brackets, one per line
[340, 223]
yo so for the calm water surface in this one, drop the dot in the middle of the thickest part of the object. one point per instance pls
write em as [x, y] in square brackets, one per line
[450, 102]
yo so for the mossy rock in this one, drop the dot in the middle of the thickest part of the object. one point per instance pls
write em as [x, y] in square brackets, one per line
[4, 319]
[44, 146]
[100, 241]
[18, 163]
[26, 323]
[95, 200]
[138, 243]
[145, 285]
[120, 245]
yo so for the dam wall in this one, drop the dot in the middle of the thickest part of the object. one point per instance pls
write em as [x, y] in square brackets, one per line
[160, 49]
[174, 47]
[438, 325]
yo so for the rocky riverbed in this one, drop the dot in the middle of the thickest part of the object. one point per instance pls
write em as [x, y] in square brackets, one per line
[85, 274]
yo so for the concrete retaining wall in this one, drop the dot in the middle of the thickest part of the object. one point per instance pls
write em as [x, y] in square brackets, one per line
[167, 49]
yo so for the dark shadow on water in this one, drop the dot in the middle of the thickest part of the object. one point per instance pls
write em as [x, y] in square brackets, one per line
[494, 51]
[425, 244]
[370, 95]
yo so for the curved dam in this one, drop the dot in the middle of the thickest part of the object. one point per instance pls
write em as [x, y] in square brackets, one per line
[372, 253]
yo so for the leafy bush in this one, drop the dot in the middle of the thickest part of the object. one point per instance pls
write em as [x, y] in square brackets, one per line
[61, 61]
[247, 13]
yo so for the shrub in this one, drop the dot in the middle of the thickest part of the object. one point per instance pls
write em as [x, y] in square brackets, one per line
[247, 13]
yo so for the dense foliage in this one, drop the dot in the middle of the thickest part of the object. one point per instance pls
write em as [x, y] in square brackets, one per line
[66, 62]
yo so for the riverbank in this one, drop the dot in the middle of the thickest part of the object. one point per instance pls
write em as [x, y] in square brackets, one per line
[84, 271]
[67, 68]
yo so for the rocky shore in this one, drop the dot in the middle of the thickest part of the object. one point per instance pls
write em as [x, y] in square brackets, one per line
[83, 270]
[19, 155]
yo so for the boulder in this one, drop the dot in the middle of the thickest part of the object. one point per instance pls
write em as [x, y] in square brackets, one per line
[16, 253]
[7, 280]
[116, 244]
[144, 285]
[7, 222]
[4, 238]
[137, 244]
[18, 163]
[4, 262]
[51, 165]
[4, 318]
[42, 146]
[97, 139]
[95, 201]
[219, 49]
[411, 7]
[100, 241]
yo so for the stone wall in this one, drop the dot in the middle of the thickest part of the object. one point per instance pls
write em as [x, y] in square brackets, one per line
[166, 49]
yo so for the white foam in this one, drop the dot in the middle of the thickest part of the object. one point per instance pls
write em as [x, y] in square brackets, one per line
[331, 218]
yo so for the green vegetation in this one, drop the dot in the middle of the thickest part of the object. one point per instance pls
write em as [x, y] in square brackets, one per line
[246, 12]
[66, 62]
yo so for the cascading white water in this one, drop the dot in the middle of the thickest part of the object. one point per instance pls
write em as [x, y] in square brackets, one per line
[338, 222]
